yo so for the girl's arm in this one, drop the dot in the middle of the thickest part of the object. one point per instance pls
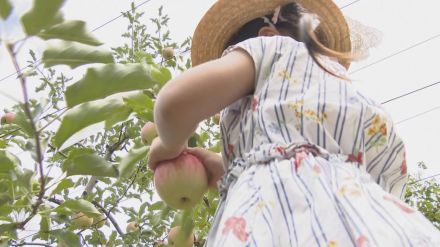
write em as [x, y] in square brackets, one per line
[199, 93]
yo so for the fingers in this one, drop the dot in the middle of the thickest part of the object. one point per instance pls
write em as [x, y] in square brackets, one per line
[202, 154]
[158, 153]
[154, 151]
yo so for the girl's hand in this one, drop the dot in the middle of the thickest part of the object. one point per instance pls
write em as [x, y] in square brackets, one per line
[213, 164]
[158, 153]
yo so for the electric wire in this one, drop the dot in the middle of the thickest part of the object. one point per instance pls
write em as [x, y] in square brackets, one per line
[411, 92]
[93, 30]
[418, 115]
[422, 179]
[119, 16]
[396, 53]
[349, 4]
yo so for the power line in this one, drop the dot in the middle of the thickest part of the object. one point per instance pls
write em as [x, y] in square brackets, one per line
[119, 16]
[422, 179]
[418, 115]
[397, 53]
[350, 4]
[95, 29]
[414, 91]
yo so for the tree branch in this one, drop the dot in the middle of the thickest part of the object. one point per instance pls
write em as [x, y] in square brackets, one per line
[126, 189]
[34, 244]
[38, 149]
[51, 121]
[10, 132]
[110, 150]
[110, 217]
[108, 214]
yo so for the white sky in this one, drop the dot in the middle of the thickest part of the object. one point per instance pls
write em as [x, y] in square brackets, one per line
[402, 22]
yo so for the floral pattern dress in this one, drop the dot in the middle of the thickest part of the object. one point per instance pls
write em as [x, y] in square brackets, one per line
[311, 161]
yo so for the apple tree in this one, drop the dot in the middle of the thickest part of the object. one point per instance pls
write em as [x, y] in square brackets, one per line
[72, 163]
[424, 194]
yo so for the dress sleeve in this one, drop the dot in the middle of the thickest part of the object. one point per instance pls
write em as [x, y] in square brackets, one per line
[384, 151]
[265, 53]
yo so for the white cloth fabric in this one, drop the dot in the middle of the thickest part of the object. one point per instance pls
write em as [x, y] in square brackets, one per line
[276, 193]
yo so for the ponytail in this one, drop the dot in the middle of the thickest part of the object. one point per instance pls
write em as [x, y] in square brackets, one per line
[306, 34]
[293, 21]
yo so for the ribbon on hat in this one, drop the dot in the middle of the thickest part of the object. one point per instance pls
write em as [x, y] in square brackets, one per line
[275, 18]
[276, 15]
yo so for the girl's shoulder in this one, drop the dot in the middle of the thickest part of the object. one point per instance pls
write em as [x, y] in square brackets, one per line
[265, 44]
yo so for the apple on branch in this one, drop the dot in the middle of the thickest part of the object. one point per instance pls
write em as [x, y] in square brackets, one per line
[8, 118]
[81, 221]
[181, 182]
[168, 52]
[132, 227]
[148, 133]
[177, 238]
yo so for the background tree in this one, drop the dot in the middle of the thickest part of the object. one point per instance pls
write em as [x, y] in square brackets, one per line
[77, 173]
[424, 194]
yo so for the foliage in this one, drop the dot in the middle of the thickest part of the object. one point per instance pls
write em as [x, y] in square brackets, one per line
[83, 136]
[425, 196]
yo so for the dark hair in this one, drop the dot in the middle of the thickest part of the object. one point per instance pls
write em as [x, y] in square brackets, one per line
[297, 23]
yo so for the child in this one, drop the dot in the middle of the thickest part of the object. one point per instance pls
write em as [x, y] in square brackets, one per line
[309, 160]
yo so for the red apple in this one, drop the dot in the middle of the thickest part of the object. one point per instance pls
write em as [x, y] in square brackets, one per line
[176, 238]
[132, 227]
[8, 118]
[181, 182]
[148, 133]
[168, 52]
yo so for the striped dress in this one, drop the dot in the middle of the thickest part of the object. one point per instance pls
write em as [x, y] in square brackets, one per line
[311, 161]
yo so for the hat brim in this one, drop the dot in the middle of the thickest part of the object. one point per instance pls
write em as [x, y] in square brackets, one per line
[226, 17]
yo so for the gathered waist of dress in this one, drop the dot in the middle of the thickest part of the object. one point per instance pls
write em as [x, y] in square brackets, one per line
[266, 153]
[271, 151]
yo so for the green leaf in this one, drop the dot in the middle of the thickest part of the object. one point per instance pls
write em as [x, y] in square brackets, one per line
[11, 228]
[8, 162]
[140, 102]
[64, 184]
[5, 210]
[86, 162]
[5, 198]
[5, 9]
[142, 209]
[110, 79]
[74, 55]
[22, 120]
[128, 163]
[44, 14]
[70, 31]
[79, 205]
[66, 238]
[157, 206]
[25, 179]
[110, 110]
[111, 239]
[44, 227]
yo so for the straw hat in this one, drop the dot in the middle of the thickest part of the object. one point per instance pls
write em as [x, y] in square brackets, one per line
[226, 17]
